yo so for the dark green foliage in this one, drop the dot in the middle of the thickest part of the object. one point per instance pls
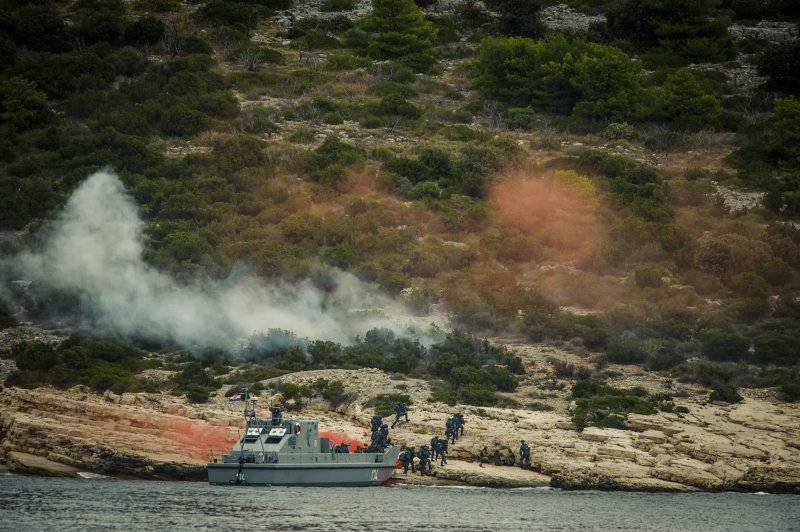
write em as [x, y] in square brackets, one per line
[380, 349]
[197, 394]
[674, 30]
[687, 105]
[328, 163]
[396, 105]
[236, 14]
[601, 405]
[560, 76]
[637, 186]
[59, 75]
[195, 381]
[272, 345]
[331, 391]
[518, 17]
[783, 132]
[36, 356]
[626, 349]
[789, 383]
[6, 319]
[99, 22]
[81, 359]
[329, 6]
[21, 105]
[39, 27]
[399, 30]
[384, 403]
[724, 345]
[182, 121]
[725, 394]
[473, 370]
[780, 63]
[145, 30]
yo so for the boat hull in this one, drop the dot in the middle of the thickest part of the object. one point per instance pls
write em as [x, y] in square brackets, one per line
[364, 474]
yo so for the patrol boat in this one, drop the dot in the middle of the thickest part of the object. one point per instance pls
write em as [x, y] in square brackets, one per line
[290, 452]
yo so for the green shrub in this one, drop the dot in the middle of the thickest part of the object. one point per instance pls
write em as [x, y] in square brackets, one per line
[601, 405]
[725, 394]
[346, 62]
[329, 6]
[384, 403]
[329, 161]
[626, 349]
[302, 135]
[34, 356]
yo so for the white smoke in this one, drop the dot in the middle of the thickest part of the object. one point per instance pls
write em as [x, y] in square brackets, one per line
[94, 248]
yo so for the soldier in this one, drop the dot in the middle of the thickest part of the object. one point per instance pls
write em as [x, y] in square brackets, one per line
[450, 432]
[511, 459]
[459, 423]
[344, 448]
[442, 450]
[435, 446]
[483, 456]
[411, 455]
[524, 455]
[496, 456]
[400, 410]
[385, 430]
[424, 456]
[376, 422]
[406, 460]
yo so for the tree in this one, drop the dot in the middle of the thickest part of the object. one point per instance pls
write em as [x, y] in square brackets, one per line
[687, 106]
[781, 64]
[21, 105]
[684, 28]
[39, 27]
[556, 75]
[399, 29]
[146, 30]
[783, 133]
[518, 17]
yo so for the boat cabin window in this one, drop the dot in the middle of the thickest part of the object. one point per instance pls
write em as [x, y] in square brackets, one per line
[252, 434]
[276, 435]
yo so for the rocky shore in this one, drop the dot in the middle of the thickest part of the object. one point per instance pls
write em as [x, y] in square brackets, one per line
[750, 446]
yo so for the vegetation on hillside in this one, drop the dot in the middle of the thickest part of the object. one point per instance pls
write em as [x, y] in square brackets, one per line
[472, 160]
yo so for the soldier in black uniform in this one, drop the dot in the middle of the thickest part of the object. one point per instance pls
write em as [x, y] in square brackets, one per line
[411, 454]
[376, 422]
[424, 456]
[524, 455]
[458, 422]
[435, 446]
[406, 460]
[450, 430]
[484, 455]
[442, 450]
[400, 410]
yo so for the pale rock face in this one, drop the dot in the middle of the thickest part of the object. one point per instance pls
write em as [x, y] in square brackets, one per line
[752, 445]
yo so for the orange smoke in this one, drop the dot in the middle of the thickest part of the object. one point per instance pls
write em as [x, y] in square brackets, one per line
[560, 210]
[198, 438]
[338, 439]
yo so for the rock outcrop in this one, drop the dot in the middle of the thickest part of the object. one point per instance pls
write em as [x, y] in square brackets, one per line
[751, 446]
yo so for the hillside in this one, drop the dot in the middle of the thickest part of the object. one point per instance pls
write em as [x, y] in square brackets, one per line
[200, 196]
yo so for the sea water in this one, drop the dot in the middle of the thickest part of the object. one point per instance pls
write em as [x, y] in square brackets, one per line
[32, 503]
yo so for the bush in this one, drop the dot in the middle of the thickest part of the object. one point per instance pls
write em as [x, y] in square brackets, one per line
[328, 162]
[384, 403]
[601, 405]
[725, 394]
[626, 349]
[329, 6]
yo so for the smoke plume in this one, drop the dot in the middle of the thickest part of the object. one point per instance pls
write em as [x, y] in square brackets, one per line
[94, 249]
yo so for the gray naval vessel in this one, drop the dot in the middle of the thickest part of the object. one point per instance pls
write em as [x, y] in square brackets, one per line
[290, 452]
